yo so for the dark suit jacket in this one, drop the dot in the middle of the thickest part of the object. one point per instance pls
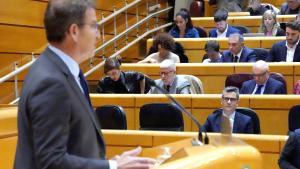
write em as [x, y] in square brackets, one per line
[278, 53]
[230, 30]
[272, 87]
[290, 155]
[57, 127]
[248, 55]
[242, 123]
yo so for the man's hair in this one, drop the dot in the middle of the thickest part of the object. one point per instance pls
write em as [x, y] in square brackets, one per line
[261, 64]
[112, 63]
[185, 14]
[221, 15]
[241, 37]
[61, 14]
[165, 40]
[293, 25]
[167, 63]
[212, 45]
[230, 89]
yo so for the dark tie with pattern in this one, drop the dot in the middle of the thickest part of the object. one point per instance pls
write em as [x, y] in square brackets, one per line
[258, 90]
[168, 88]
[84, 87]
[235, 59]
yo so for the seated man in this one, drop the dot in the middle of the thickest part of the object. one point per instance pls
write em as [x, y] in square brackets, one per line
[164, 44]
[290, 7]
[262, 83]
[239, 123]
[170, 81]
[212, 49]
[289, 49]
[237, 51]
[223, 29]
[290, 155]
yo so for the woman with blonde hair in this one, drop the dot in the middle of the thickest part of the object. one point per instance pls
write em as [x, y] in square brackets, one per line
[269, 25]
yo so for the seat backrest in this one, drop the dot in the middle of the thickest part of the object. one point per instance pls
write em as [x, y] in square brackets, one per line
[294, 118]
[201, 31]
[279, 77]
[261, 53]
[196, 84]
[161, 116]
[237, 80]
[243, 29]
[251, 113]
[111, 117]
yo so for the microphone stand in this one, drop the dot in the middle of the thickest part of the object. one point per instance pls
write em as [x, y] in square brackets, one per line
[200, 138]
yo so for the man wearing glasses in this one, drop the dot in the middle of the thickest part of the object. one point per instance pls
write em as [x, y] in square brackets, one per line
[169, 81]
[238, 123]
[262, 83]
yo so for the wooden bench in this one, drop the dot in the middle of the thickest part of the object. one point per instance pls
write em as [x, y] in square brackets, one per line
[271, 109]
[213, 75]
[252, 22]
[194, 48]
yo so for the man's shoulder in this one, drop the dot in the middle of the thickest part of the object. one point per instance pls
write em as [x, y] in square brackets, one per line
[274, 82]
[249, 82]
[280, 43]
[242, 116]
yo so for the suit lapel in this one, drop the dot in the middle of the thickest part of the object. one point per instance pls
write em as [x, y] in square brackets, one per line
[252, 87]
[284, 52]
[236, 123]
[297, 54]
[267, 88]
[55, 59]
[218, 121]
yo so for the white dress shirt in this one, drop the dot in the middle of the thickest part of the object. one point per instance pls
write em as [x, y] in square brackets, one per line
[290, 52]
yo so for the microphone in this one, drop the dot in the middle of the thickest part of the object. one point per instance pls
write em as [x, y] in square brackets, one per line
[181, 108]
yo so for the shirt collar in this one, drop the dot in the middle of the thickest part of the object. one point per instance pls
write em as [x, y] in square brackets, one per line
[286, 44]
[231, 116]
[68, 60]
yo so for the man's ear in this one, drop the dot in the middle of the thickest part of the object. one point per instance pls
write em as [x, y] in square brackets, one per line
[73, 32]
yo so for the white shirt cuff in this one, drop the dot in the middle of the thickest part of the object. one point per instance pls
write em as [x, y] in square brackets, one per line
[113, 164]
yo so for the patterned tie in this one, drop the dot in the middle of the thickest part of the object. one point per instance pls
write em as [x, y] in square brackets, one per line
[84, 86]
[168, 88]
[258, 90]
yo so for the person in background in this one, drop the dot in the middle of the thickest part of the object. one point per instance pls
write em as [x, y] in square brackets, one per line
[239, 123]
[256, 8]
[164, 43]
[212, 49]
[237, 51]
[169, 81]
[57, 125]
[223, 29]
[117, 81]
[183, 26]
[262, 83]
[290, 7]
[289, 49]
[290, 154]
[230, 5]
[269, 25]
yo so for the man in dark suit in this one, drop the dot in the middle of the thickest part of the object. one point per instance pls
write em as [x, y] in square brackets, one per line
[289, 49]
[223, 29]
[239, 123]
[237, 51]
[262, 82]
[57, 127]
[290, 155]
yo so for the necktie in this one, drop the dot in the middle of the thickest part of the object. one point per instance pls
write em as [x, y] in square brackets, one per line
[84, 86]
[235, 59]
[168, 88]
[258, 90]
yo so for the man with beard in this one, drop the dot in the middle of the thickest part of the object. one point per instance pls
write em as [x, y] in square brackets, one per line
[288, 50]
[222, 29]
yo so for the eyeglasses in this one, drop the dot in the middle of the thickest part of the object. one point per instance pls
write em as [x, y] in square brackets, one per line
[166, 73]
[259, 75]
[94, 25]
[229, 99]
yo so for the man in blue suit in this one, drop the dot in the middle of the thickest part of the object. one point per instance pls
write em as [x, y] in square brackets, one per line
[290, 155]
[262, 82]
[239, 123]
[222, 29]
[289, 49]
[237, 51]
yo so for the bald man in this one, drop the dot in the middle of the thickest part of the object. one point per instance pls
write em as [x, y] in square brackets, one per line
[262, 83]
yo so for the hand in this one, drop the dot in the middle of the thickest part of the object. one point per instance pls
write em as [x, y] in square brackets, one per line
[129, 160]
[153, 61]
